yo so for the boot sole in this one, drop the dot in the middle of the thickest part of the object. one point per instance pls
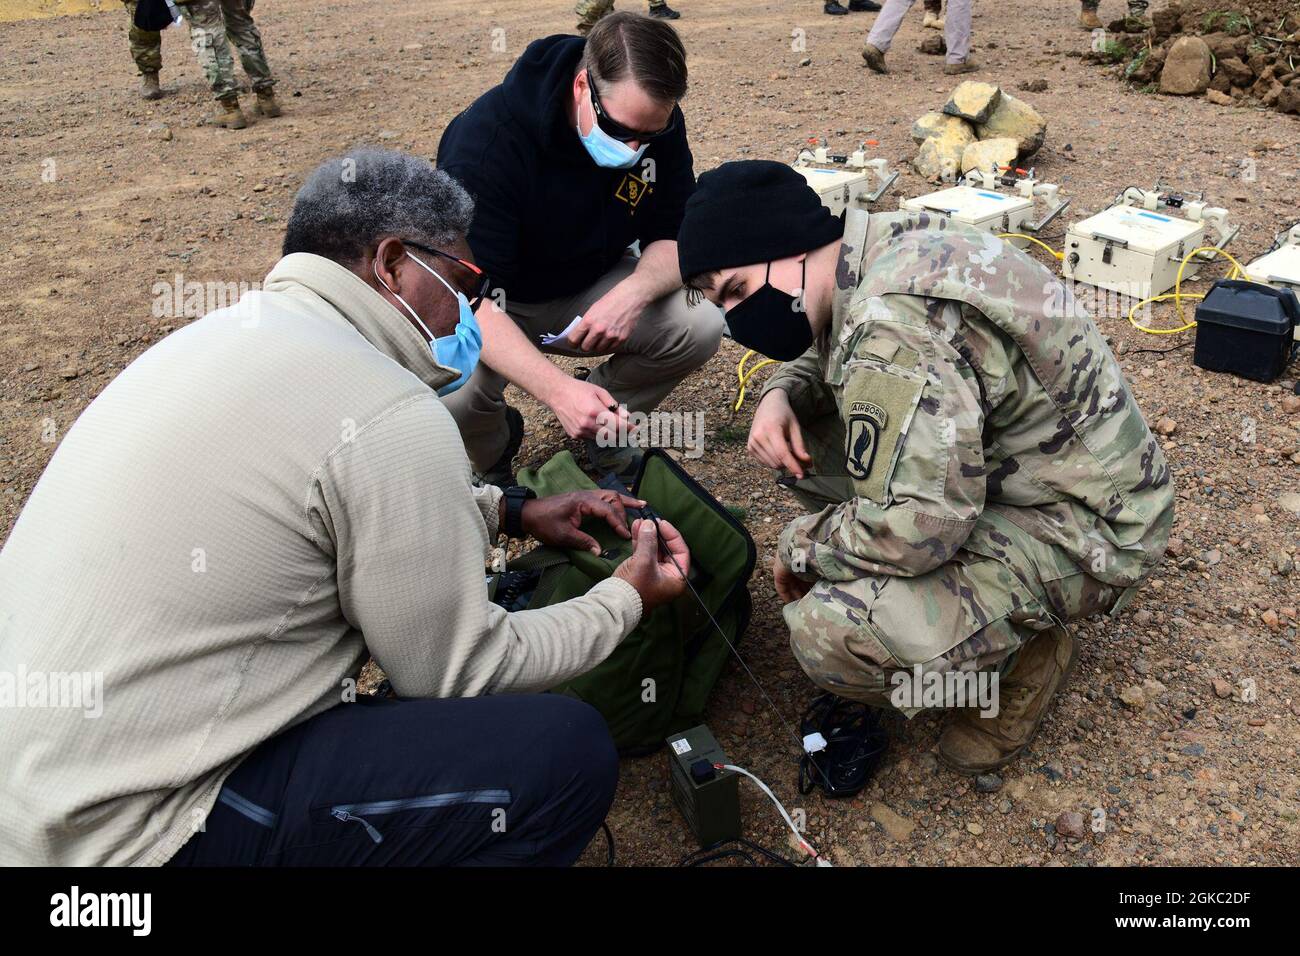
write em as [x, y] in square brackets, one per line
[969, 771]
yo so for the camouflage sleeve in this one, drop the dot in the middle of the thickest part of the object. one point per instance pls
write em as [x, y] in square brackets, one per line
[796, 377]
[914, 421]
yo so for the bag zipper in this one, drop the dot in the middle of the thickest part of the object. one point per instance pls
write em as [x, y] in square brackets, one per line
[349, 813]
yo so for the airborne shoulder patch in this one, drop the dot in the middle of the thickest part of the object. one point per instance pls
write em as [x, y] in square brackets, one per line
[866, 422]
[877, 406]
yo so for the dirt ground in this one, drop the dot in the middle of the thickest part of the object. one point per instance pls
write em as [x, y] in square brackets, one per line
[1180, 723]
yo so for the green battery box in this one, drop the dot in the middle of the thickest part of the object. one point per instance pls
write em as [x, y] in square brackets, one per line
[708, 798]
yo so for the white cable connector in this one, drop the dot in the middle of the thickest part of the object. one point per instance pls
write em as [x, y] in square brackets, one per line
[814, 743]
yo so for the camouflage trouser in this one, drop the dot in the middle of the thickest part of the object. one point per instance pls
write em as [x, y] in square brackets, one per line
[970, 614]
[1136, 8]
[589, 11]
[146, 45]
[214, 26]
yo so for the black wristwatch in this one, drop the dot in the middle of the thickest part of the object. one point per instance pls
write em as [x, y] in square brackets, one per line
[515, 496]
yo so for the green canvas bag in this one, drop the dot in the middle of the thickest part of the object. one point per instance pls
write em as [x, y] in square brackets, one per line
[657, 681]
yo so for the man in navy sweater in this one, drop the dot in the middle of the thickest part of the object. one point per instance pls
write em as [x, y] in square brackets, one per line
[579, 153]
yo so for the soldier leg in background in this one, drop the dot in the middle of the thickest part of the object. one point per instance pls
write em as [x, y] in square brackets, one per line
[995, 607]
[208, 38]
[933, 15]
[589, 11]
[242, 32]
[660, 10]
[146, 51]
[1088, 18]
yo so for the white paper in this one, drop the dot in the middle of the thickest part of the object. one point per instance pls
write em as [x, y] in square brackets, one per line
[552, 339]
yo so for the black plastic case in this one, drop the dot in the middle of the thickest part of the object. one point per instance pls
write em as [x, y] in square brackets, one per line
[1246, 328]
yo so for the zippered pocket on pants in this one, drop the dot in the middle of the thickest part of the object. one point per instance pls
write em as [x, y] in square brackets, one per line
[360, 812]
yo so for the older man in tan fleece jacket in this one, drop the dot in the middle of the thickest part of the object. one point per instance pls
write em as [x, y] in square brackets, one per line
[247, 512]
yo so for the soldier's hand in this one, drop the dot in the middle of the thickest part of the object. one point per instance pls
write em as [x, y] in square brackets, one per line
[775, 438]
[789, 586]
[650, 570]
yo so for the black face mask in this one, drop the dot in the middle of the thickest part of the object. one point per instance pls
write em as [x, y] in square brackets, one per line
[772, 322]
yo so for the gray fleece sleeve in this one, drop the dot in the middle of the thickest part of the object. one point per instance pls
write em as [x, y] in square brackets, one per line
[409, 536]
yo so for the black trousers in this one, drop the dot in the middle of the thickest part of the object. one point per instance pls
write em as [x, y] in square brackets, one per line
[493, 781]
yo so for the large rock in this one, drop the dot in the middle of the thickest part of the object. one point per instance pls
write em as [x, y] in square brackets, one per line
[973, 101]
[989, 153]
[941, 151]
[1223, 45]
[1187, 68]
[1015, 119]
[1147, 67]
[937, 124]
[1167, 21]
[1237, 71]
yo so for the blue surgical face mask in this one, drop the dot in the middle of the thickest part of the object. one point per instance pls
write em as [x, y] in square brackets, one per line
[605, 150]
[460, 350]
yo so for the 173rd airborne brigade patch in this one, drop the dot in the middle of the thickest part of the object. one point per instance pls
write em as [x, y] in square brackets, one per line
[879, 408]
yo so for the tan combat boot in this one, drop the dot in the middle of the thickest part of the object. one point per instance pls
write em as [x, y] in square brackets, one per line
[229, 115]
[266, 104]
[973, 744]
[149, 88]
[875, 58]
[932, 21]
[1089, 20]
[968, 65]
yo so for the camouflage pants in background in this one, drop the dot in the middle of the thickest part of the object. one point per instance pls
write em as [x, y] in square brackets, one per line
[970, 614]
[1136, 8]
[589, 11]
[146, 45]
[214, 26]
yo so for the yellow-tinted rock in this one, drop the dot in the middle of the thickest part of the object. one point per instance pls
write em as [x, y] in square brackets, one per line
[940, 155]
[989, 153]
[973, 101]
[1015, 119]
[936, 124]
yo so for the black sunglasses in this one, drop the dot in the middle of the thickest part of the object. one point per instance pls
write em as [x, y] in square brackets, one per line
[617, 130]
[485, 281]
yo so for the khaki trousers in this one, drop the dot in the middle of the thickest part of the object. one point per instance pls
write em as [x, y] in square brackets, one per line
[671, 340]
[956, 27]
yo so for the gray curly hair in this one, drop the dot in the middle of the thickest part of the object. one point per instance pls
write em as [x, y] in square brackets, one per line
[349, 203]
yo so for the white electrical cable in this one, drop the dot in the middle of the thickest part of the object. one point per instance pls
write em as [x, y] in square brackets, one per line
[779, 806]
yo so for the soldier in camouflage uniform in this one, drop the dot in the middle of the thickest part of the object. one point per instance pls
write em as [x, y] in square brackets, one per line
[214, 26]
[976, 469]
[146, 50]
[589, 11]
[1088, 19]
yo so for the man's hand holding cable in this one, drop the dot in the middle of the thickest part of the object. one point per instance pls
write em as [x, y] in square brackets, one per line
[584, 409]
[650, 570]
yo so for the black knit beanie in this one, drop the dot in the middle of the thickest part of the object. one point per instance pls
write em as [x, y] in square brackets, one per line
[753, 210]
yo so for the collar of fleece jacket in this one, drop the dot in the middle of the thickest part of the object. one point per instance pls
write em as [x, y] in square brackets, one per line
[364, 309]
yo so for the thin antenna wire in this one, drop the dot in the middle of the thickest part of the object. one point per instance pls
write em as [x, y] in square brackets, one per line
[736, 653]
